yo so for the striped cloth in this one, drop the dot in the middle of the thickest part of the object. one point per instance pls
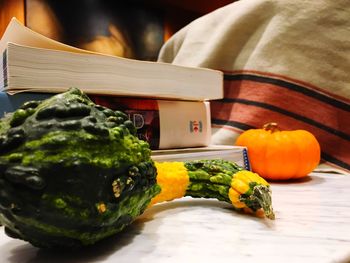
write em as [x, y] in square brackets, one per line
[283, 61]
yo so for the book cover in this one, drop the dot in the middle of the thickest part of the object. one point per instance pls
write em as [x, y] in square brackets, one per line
[33, 62]
[163, 124]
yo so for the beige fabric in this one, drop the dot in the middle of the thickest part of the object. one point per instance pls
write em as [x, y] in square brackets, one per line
[257, 34]
[299, 41]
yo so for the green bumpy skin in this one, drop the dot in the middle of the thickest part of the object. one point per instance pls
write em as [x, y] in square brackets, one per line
[210, 178]
[71, 172]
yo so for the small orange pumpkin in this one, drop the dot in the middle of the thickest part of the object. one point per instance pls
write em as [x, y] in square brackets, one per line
[281, 155]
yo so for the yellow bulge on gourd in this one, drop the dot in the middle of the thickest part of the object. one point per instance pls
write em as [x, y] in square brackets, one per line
[173, 179]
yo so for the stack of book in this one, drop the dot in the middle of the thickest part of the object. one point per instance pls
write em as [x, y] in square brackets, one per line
[168, 104]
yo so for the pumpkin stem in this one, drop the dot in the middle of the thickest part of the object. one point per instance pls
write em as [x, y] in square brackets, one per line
[271, 126]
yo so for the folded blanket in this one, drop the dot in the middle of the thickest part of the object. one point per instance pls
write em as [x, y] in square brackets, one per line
[283, 61]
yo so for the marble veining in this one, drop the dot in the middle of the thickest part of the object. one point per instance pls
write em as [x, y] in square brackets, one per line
[312, 225]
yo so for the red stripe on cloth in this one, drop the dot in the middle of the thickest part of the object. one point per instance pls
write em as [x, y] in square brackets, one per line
[289, 100]
[289, 79]
[256, 116]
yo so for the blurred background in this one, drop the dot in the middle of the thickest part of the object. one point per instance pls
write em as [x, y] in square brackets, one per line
[134, 29]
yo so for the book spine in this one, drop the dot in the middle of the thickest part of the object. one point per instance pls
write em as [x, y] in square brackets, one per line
[9, 103]
[143, 113]
[163, 124]
[246, 161]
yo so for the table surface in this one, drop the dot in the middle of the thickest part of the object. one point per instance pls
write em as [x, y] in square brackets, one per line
[312, 225]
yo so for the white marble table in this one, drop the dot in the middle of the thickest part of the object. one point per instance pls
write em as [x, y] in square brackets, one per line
[312, 225]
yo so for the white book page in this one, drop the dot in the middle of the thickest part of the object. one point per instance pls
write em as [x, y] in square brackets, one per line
[22, 35]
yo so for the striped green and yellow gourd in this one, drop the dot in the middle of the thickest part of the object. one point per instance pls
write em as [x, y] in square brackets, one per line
[220, 179]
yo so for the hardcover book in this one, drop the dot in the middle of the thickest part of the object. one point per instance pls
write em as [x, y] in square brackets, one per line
[165, 123]
[237, 154]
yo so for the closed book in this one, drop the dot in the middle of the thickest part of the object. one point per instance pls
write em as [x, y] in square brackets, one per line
[33, 62]
[162, 123]
[237, 154]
